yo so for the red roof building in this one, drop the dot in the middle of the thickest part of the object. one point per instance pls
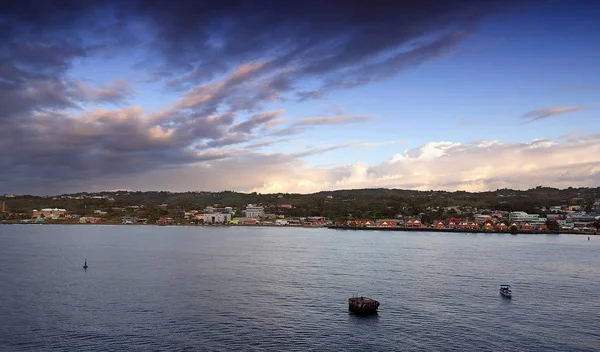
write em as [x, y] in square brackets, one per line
[386, 223]
[413, 223]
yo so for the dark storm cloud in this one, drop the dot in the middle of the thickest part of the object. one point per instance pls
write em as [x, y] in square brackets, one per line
[386, 67]
[342, 44]
[40, 41]
[235, 56]
[227, 58]
[95, 145]
[41, 56]
[325, 35]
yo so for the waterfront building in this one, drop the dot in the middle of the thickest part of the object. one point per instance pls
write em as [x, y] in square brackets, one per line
[481, 218]
[165, 221]
[89, 220]
[281, 222]
[129, 220]
[318, 221]
[386, 223]
[413, 223]
[217, 218]
[521, 218]
[582, 219]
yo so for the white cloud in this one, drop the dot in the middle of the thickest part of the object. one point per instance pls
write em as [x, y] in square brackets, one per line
[477, 167]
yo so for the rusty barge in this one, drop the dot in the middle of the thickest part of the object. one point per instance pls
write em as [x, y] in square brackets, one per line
[363, 305]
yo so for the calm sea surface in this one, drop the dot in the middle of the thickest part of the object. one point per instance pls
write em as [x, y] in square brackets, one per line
[286, 289]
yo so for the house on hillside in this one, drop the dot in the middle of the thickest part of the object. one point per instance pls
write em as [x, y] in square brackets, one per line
[254, 211]
[50, 213]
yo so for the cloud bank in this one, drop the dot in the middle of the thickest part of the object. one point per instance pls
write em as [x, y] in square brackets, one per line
[477, 166]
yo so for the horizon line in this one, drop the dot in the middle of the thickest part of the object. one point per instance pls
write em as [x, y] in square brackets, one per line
[10, 195]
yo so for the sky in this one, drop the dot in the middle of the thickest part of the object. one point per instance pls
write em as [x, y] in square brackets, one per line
[299, 96]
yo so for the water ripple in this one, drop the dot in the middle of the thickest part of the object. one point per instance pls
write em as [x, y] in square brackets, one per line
[271, 289]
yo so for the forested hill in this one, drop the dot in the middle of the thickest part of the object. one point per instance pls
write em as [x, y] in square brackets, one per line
[366, 203]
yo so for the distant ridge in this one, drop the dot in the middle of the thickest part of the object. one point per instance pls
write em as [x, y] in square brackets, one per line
[377, 190]
[372, 203]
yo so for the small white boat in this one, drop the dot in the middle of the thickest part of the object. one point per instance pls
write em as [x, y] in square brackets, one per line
[505, 290]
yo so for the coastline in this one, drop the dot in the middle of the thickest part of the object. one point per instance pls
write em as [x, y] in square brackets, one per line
[421, 229]
[332, 227]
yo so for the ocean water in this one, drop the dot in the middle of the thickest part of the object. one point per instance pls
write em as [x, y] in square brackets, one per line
[286, 289]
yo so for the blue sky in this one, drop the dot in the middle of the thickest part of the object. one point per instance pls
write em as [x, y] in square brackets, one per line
[508, 67]
[516, 75]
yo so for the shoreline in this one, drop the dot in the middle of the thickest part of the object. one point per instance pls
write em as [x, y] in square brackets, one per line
[332, 227]
[420, 229]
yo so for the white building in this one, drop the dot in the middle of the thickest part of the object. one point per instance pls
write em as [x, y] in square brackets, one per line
[216, 218]
[254, 211]
[53, 213]
[210, 209]
[521, 217]
[564, 224]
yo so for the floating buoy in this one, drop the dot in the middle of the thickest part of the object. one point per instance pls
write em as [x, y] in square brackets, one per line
[85, 266]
